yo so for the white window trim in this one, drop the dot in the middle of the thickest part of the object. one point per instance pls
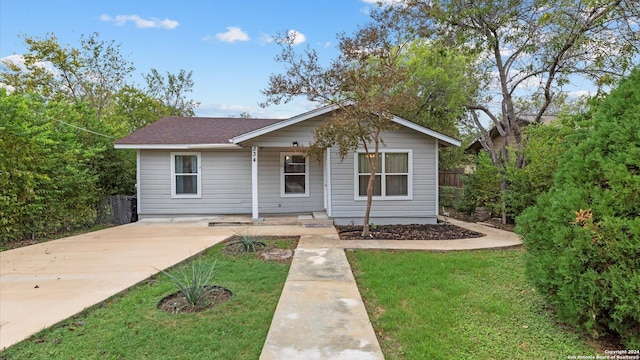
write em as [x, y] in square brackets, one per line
[174, 195]
[383, 185]
[306, 175]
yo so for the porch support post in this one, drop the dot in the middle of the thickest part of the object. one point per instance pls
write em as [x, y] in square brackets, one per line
[327, 174]
[254, 183]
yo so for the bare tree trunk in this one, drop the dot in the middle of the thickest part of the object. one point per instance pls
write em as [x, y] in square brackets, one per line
[373, 162]
[503, 205]
[370, 183]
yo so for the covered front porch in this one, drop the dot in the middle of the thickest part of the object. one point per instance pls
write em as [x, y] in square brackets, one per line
[285, 181]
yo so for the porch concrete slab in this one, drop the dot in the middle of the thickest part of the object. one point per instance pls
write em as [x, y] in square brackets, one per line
[43, 284]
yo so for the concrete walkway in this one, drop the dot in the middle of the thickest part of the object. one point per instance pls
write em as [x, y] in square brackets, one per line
[320, 314]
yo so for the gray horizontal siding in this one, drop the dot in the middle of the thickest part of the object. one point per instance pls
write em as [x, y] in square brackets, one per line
[269, 178]
[424, 201]
[226, 184]
[301, 132]
[226, 180]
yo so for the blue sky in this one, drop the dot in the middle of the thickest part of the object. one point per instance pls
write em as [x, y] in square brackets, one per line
[226, 43]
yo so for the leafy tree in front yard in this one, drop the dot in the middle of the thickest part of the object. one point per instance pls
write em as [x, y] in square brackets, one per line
[372, 78]
[583, 236]
[362, 82]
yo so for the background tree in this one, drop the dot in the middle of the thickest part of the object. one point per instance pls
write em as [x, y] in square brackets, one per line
[541, 150]
[441, 84]
[171, 91]
[529, 51]
[47, 182]
[92, 73]
[67, 105]
[132, 109]
[583, 235]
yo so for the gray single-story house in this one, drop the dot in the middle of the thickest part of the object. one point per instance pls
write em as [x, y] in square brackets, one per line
[191, 166]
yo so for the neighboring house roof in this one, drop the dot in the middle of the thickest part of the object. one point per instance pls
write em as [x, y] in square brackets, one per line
[494, 133]
[200, 132]
[184, 132]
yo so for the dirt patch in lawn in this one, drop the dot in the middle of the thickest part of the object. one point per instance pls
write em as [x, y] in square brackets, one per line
[407, 232]
[272, 244]
[177, 302]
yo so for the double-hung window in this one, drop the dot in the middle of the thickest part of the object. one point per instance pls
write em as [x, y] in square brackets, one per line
[186, 176]
[393, 179]
[294, 175]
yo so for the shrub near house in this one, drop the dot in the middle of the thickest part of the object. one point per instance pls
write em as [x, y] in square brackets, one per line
[583, 236]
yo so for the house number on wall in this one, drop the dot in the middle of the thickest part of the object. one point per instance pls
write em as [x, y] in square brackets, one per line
[254, 153]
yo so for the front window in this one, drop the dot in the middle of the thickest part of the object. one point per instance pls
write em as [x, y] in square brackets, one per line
[185, 175]
[294, 175]
[393, 175]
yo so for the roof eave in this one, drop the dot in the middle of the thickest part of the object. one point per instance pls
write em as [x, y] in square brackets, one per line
[177, 146]
[444, 139]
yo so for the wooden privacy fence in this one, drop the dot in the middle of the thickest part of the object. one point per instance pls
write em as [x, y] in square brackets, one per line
[452, 178]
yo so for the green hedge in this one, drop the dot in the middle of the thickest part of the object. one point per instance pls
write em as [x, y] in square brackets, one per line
[583, 236]
[46, 183]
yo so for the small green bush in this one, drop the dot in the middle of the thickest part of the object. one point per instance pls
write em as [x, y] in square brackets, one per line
[482, 187]
[449, 196]
[250, 243]
[583, 236]
[193, 282]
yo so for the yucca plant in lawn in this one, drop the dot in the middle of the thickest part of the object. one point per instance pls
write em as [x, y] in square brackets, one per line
[193, 281]
[250, 243]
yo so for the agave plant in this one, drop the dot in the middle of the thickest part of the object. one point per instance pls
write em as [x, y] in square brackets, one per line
[194, 282]
[250, 243]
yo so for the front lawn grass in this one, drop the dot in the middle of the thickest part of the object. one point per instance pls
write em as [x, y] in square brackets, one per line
[459, 305]
[129, 326]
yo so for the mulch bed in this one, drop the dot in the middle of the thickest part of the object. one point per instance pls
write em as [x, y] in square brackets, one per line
[407, 232]
[177, 303]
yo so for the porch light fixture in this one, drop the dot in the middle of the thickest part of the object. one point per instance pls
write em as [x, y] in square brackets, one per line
[294, 144]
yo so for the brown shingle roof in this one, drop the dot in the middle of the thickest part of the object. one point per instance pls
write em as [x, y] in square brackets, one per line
[194, 130]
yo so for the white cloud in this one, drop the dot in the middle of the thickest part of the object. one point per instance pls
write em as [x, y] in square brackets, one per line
[385, 2]
[120, 20]
[18, 60]
[580, 94]
[298, 37]
[9, 88]
[232, 35]
[266, 39]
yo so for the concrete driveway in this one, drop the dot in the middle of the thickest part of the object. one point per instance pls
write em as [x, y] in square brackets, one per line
[43, 284]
